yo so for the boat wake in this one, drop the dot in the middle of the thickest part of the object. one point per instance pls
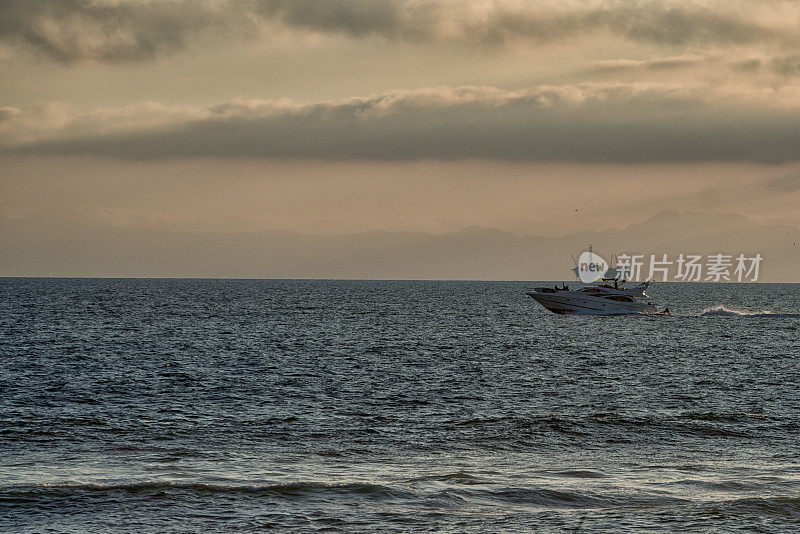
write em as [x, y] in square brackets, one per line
[722, 311]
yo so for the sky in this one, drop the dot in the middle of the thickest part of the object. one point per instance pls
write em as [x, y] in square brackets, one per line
[337, 117]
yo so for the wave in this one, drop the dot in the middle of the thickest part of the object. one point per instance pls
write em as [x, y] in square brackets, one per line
[461, 491]
[543, 497]
[580, 473]
[25, 493]
[520, 432]
[660, 427]
[458, 477]
[725, 485]
[722, 311]
[552, 498]
[460, 487]
[722, 417]
[784, 507]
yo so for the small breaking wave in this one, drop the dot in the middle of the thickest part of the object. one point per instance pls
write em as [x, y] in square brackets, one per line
[722, 311]
[458, 477]
[580, 473]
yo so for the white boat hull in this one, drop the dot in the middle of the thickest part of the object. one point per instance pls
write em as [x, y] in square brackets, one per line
[568, 302]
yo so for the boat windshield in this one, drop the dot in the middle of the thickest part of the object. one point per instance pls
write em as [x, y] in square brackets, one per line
[592, 290]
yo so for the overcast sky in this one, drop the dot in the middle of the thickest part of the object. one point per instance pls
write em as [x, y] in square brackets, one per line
[428, 115]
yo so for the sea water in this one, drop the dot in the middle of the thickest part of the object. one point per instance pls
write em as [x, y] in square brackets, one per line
[220, 405]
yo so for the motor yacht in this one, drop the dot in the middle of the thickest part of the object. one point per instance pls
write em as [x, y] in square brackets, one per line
[608, 297]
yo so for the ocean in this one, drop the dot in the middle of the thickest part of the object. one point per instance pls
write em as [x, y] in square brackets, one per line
[159, 405]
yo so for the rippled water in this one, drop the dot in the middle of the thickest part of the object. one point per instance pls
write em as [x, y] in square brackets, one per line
[216, 405]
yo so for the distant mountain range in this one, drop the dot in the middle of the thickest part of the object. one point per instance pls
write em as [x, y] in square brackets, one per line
[39, 248]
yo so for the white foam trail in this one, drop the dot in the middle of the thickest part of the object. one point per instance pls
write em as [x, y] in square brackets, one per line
[722, 311]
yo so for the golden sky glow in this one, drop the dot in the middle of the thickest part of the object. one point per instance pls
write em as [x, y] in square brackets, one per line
[426, 116]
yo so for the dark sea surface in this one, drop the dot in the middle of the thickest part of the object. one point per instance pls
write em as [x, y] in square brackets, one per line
[223, 405]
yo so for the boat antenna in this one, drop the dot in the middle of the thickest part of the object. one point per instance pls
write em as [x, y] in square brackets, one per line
[575, 269]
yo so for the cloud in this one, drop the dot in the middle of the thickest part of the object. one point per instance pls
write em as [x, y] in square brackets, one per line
[661, 64]
[114, 31]
[8, 113]
[784, 184]
[129, 30]
[785, 65]
[780, 65]
[495, 22]
[587, 122]
[747, 65]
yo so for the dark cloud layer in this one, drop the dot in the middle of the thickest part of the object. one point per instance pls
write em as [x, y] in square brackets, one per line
[628, 123]
[655, 21]
[74, 30]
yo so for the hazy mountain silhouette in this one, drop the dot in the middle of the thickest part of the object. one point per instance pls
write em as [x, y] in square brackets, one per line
[49, 248]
